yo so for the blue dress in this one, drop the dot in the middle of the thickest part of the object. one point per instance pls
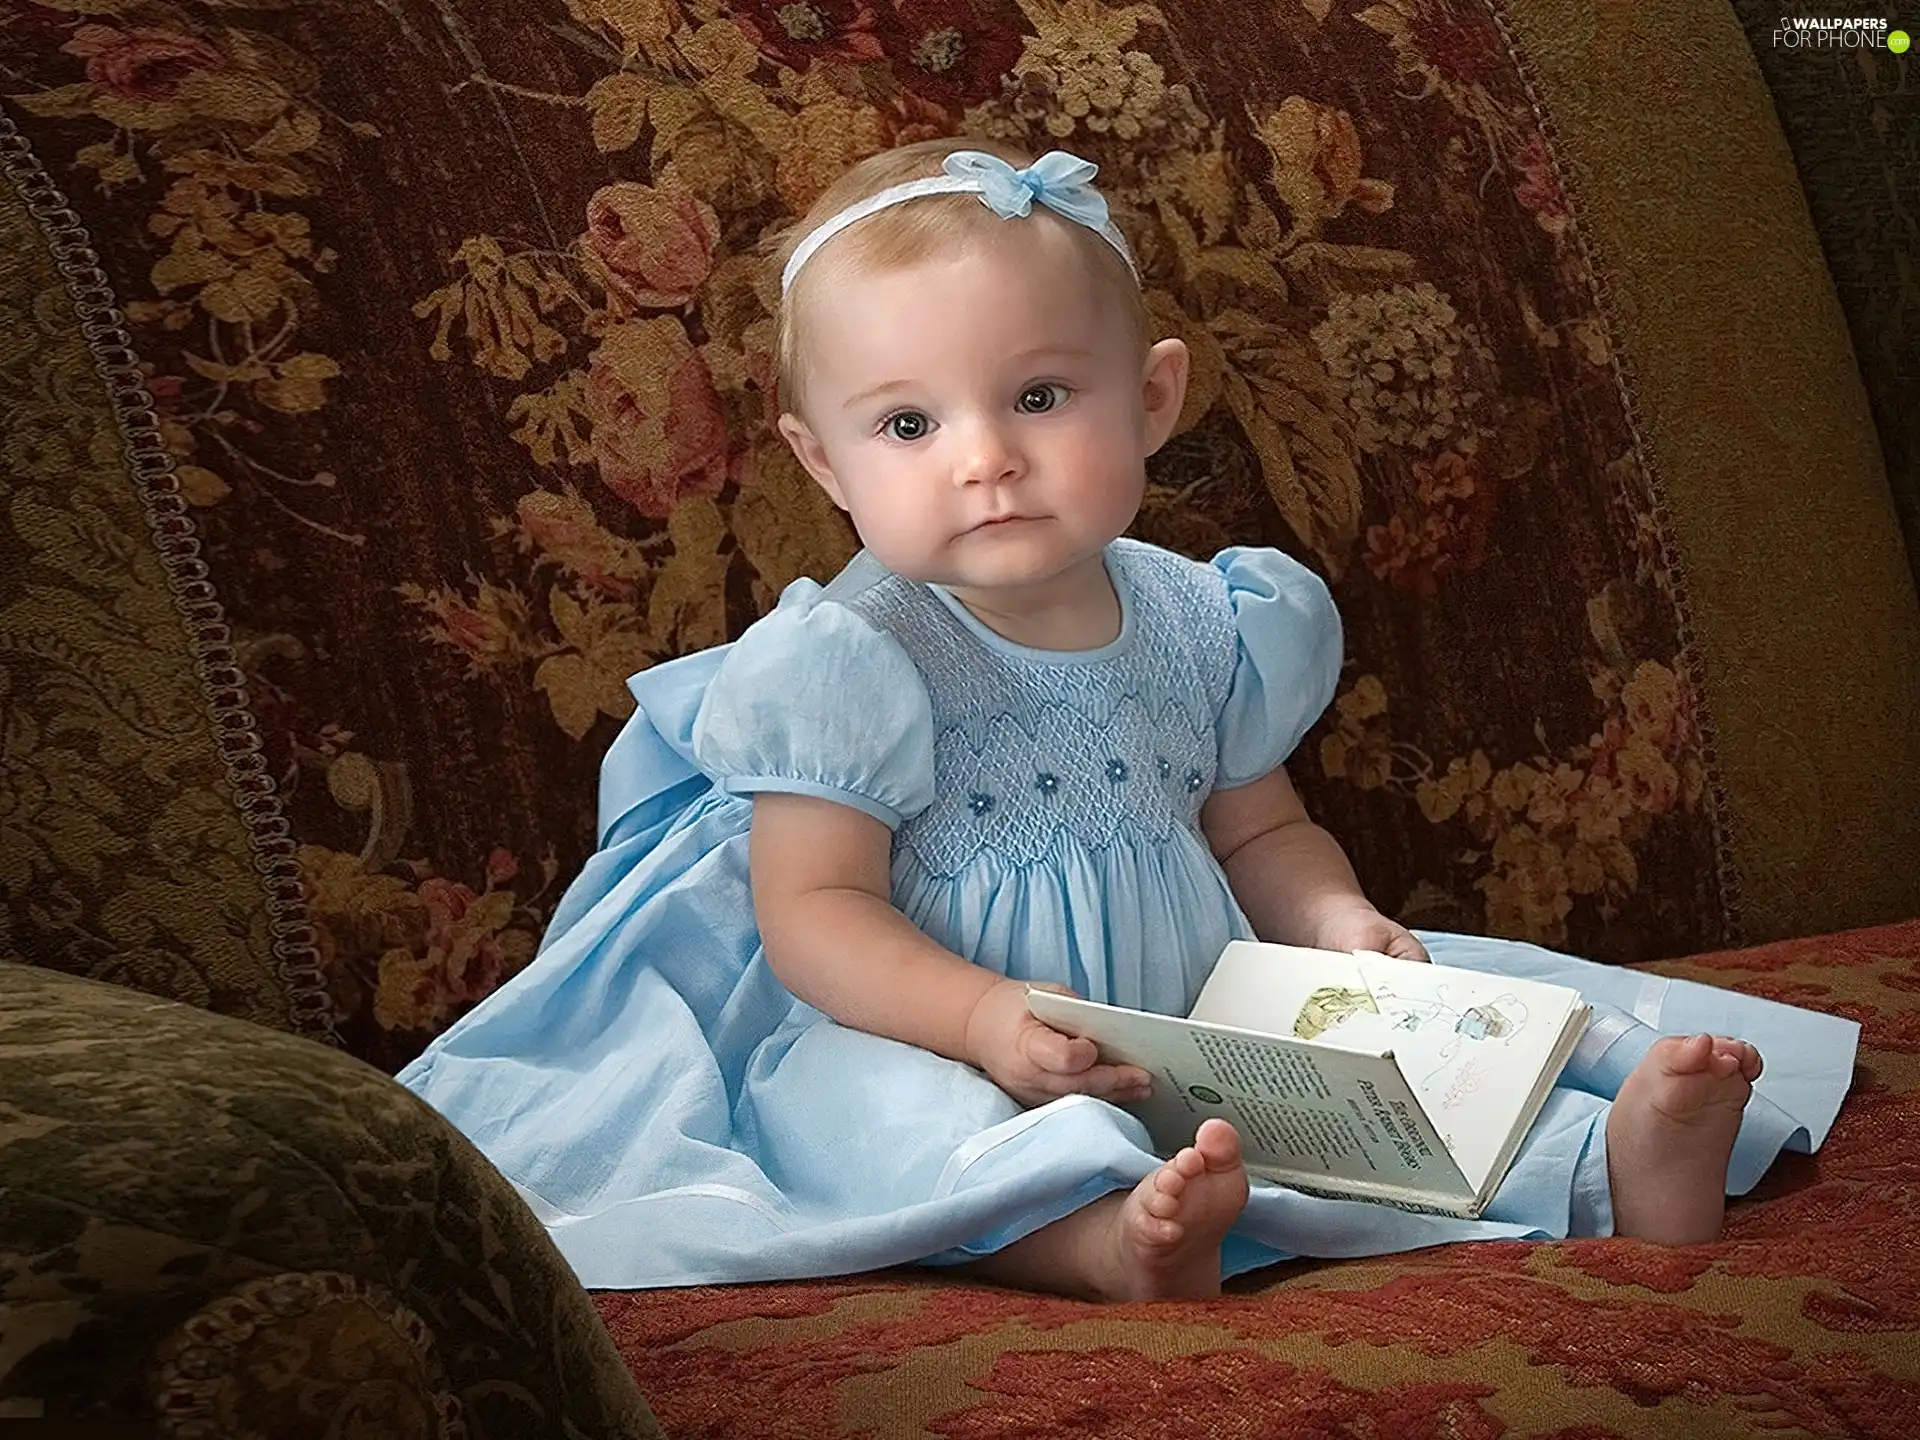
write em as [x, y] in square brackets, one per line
[675, 1116]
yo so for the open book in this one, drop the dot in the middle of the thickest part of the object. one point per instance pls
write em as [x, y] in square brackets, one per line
[1352, 1075]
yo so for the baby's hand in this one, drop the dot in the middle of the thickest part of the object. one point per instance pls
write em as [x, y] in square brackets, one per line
[1361, 927]
[1035, 1063]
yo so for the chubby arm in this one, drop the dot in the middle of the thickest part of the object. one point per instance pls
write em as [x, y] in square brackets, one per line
[832, 935]
[1291, 877]
[821, 897]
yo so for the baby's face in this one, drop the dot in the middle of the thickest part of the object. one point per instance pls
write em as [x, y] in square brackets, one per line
[983, 416]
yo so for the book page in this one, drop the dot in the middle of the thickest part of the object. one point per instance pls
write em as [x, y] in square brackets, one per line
[1291, 990]
[1472, 1046]
[1312, 1113]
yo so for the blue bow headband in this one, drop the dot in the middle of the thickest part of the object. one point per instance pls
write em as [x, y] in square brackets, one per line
[1059, 181]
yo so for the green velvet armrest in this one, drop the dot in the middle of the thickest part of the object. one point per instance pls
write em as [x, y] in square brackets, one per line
[248, 1233]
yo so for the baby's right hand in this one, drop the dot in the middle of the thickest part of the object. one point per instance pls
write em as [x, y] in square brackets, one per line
[1035, 1063]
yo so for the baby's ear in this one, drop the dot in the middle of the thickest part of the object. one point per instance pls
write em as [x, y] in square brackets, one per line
[1163, 390]
[811, 454]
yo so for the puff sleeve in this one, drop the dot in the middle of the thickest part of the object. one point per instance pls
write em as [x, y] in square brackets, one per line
[1286, 662]
[813, 700]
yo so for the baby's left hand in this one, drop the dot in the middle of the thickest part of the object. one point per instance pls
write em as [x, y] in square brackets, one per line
[1364, 928]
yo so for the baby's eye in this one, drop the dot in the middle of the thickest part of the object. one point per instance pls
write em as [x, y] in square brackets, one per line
[1038, 399]
[906, 425]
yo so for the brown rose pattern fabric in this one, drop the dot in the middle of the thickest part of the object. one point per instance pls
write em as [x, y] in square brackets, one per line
[456, 344]
[1803, 1320]
[460, 336]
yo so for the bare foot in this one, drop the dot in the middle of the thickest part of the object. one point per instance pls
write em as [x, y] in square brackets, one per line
[1670, 1134]
[1168, 1231]
[1160, 1241]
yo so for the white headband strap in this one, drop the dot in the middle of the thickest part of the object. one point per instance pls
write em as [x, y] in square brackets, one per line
[1060, 181]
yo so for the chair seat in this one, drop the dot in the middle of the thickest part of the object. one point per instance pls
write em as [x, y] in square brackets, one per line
[1804, 1319]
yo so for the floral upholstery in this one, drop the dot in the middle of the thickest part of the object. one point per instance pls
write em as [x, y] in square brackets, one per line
[443, 354]
[236, 1234]
[1804, 1320]
[385, 383]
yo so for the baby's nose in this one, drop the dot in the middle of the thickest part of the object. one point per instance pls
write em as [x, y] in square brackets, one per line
[990, 454]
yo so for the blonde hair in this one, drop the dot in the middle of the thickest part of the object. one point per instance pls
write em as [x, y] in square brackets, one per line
[907, 233]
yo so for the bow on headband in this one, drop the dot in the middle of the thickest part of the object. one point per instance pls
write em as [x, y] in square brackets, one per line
[1059, 181]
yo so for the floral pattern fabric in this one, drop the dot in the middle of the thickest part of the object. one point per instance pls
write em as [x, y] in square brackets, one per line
[139, 839]
[385, 384]
[1804, 1319]
[226, 1231]
[459, 359]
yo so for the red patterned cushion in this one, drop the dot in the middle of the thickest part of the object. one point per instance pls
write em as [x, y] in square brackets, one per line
[1803, 1320]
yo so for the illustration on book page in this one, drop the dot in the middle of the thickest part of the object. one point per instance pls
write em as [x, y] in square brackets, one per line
[1435, 1035]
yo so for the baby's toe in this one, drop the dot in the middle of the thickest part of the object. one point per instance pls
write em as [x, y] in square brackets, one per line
[1746, 1058]
[1684, 1055]
[1189, 1162]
